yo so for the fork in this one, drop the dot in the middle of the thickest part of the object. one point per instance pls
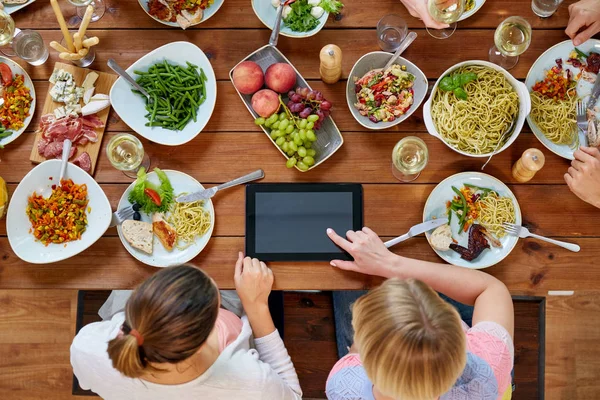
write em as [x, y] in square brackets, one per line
[522, 232]
[121, 215]
[582, 121]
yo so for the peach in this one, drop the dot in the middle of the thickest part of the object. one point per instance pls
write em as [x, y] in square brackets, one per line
[280, 77]
[265, 102]
[248, 77]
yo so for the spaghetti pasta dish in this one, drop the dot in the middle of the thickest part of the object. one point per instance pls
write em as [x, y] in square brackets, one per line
[479, 123]
[190, 220]
[495, 210]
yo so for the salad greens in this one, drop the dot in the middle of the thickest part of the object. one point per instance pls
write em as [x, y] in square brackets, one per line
[331, 6]
[455, 83]
[300, 19]
[164, 190]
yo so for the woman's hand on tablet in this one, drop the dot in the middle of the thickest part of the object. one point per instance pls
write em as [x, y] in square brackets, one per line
[370, 255]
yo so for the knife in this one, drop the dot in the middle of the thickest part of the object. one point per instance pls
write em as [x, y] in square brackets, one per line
[417, 230]
[594, 94]
[208, 193]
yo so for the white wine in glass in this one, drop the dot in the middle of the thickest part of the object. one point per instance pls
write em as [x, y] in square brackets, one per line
[99, 9]
[7, 28]
[446, 12]
[511, 39]
[126, 153]
[409, 158]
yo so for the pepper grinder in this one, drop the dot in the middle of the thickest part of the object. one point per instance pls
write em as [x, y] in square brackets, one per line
[526, 167]
[331, 63]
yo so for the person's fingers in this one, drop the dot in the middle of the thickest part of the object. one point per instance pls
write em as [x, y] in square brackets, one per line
[337, 239]
[247, 265]
[238, 265]
[569, 180]
[345, 265]
[578, 165]
[256, 265]
[587, 33]
[369, 232]
[360, 235]
[352, 236]
[592, 151]
[582, 156]
[573, 172]
[574, 26]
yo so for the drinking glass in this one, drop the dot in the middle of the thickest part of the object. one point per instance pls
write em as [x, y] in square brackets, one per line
[512, 38]
[409, 158]
[545, 8]
[29, 45]
[85, 61]
[446, 12]
[7, 31]
[391, 31]
[99, 9]
[126, 153]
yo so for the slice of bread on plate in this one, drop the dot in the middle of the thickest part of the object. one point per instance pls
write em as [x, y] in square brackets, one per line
[138, 234]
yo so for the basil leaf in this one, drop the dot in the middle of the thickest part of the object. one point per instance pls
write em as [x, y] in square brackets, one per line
[446, 84]
[460, 93]
[456, 80]
[466, 78]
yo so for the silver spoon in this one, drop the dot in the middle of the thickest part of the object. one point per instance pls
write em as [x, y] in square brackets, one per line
[64, 160]
[275, 34]
[123, 74]
[403, 46]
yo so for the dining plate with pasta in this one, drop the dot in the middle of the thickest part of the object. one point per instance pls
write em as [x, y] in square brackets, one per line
[173, 236]
[476, 205]
[559, 78]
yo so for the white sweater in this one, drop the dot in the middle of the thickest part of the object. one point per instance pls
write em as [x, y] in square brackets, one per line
[239, 372]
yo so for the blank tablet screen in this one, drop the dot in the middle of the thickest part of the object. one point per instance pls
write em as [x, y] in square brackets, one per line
[289, 221]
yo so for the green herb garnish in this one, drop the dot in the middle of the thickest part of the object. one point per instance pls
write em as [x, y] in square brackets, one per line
[300, 18]
[455, 83]
[331, 6]
[580, 54]
[165, 191]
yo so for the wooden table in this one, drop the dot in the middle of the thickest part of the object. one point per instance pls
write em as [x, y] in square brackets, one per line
[231, 145]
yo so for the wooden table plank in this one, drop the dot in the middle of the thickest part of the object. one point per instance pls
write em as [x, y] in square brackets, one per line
[364, 157]
[128, 14]
[533, 268]
[431, 55]
[390, 210]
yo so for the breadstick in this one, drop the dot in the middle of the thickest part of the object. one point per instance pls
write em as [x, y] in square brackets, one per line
[89, 11]
[87, 43]
[77, 41]
[83, 52]
[59, 47]
[70, 56]
[63, 25]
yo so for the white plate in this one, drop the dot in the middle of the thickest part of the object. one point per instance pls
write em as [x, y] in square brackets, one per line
[38, 180]
[16, 69]
[537, 72]
[471, 12]
[436, 207]
[132, 107]
[11, 8]
[160, 257]
[267, 14]
[209, 12]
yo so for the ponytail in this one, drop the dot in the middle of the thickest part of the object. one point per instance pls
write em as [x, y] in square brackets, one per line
[125, 355]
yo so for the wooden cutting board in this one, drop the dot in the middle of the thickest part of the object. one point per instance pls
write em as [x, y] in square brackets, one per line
[103, 85]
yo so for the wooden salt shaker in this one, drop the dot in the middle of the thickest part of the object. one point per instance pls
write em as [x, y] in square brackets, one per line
[530, 162]
[331, 63]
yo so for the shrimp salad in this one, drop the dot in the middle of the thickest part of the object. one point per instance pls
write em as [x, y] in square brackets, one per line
[385, 96]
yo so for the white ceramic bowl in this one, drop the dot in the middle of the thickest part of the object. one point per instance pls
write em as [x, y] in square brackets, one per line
[267, 14]
[378, 59]
[524, 106]
[209, 12]
[131, 107]
[17, 69]
[38, 180]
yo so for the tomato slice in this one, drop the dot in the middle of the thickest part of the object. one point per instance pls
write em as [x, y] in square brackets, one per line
[6, 73]
[154, 196]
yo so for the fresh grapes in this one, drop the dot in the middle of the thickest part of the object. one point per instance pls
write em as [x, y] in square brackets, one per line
[306, 102]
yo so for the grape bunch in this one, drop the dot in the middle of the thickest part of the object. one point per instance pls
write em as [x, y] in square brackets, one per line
[294, 136]
[306, 102]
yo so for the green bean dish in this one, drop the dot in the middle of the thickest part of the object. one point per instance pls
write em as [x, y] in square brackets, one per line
[177, 92]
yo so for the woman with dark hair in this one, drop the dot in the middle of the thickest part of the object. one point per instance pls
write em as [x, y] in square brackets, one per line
[175, 342]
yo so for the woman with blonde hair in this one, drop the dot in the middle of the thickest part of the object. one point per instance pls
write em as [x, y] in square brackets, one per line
[409, 343]
[175, 342]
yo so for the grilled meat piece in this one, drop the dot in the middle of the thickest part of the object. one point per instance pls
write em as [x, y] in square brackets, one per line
[477, 243]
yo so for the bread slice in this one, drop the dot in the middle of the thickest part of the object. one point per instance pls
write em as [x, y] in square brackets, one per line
[164, 232]
[441, 238]
[138, 234]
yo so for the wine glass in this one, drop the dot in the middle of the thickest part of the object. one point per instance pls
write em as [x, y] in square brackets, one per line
[512, 38]
[99, 9]
[7, 31]
[409, 158]
[447, 12]
[126, 153]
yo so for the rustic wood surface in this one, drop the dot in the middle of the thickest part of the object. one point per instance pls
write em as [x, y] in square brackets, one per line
[102, 85]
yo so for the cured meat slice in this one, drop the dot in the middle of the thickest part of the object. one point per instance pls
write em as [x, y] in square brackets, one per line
[84, 162]
[42, 143]
[53, 149]
[90, 134]
[92, 121]
[71, 154]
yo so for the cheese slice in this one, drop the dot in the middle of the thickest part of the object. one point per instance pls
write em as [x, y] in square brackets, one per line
[138, 234]
[89, 81]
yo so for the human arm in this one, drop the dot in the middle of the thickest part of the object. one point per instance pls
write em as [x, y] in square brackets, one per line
[583, 176]
[253, 282]
[584, 20]
[418, 9]
[490, 297]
